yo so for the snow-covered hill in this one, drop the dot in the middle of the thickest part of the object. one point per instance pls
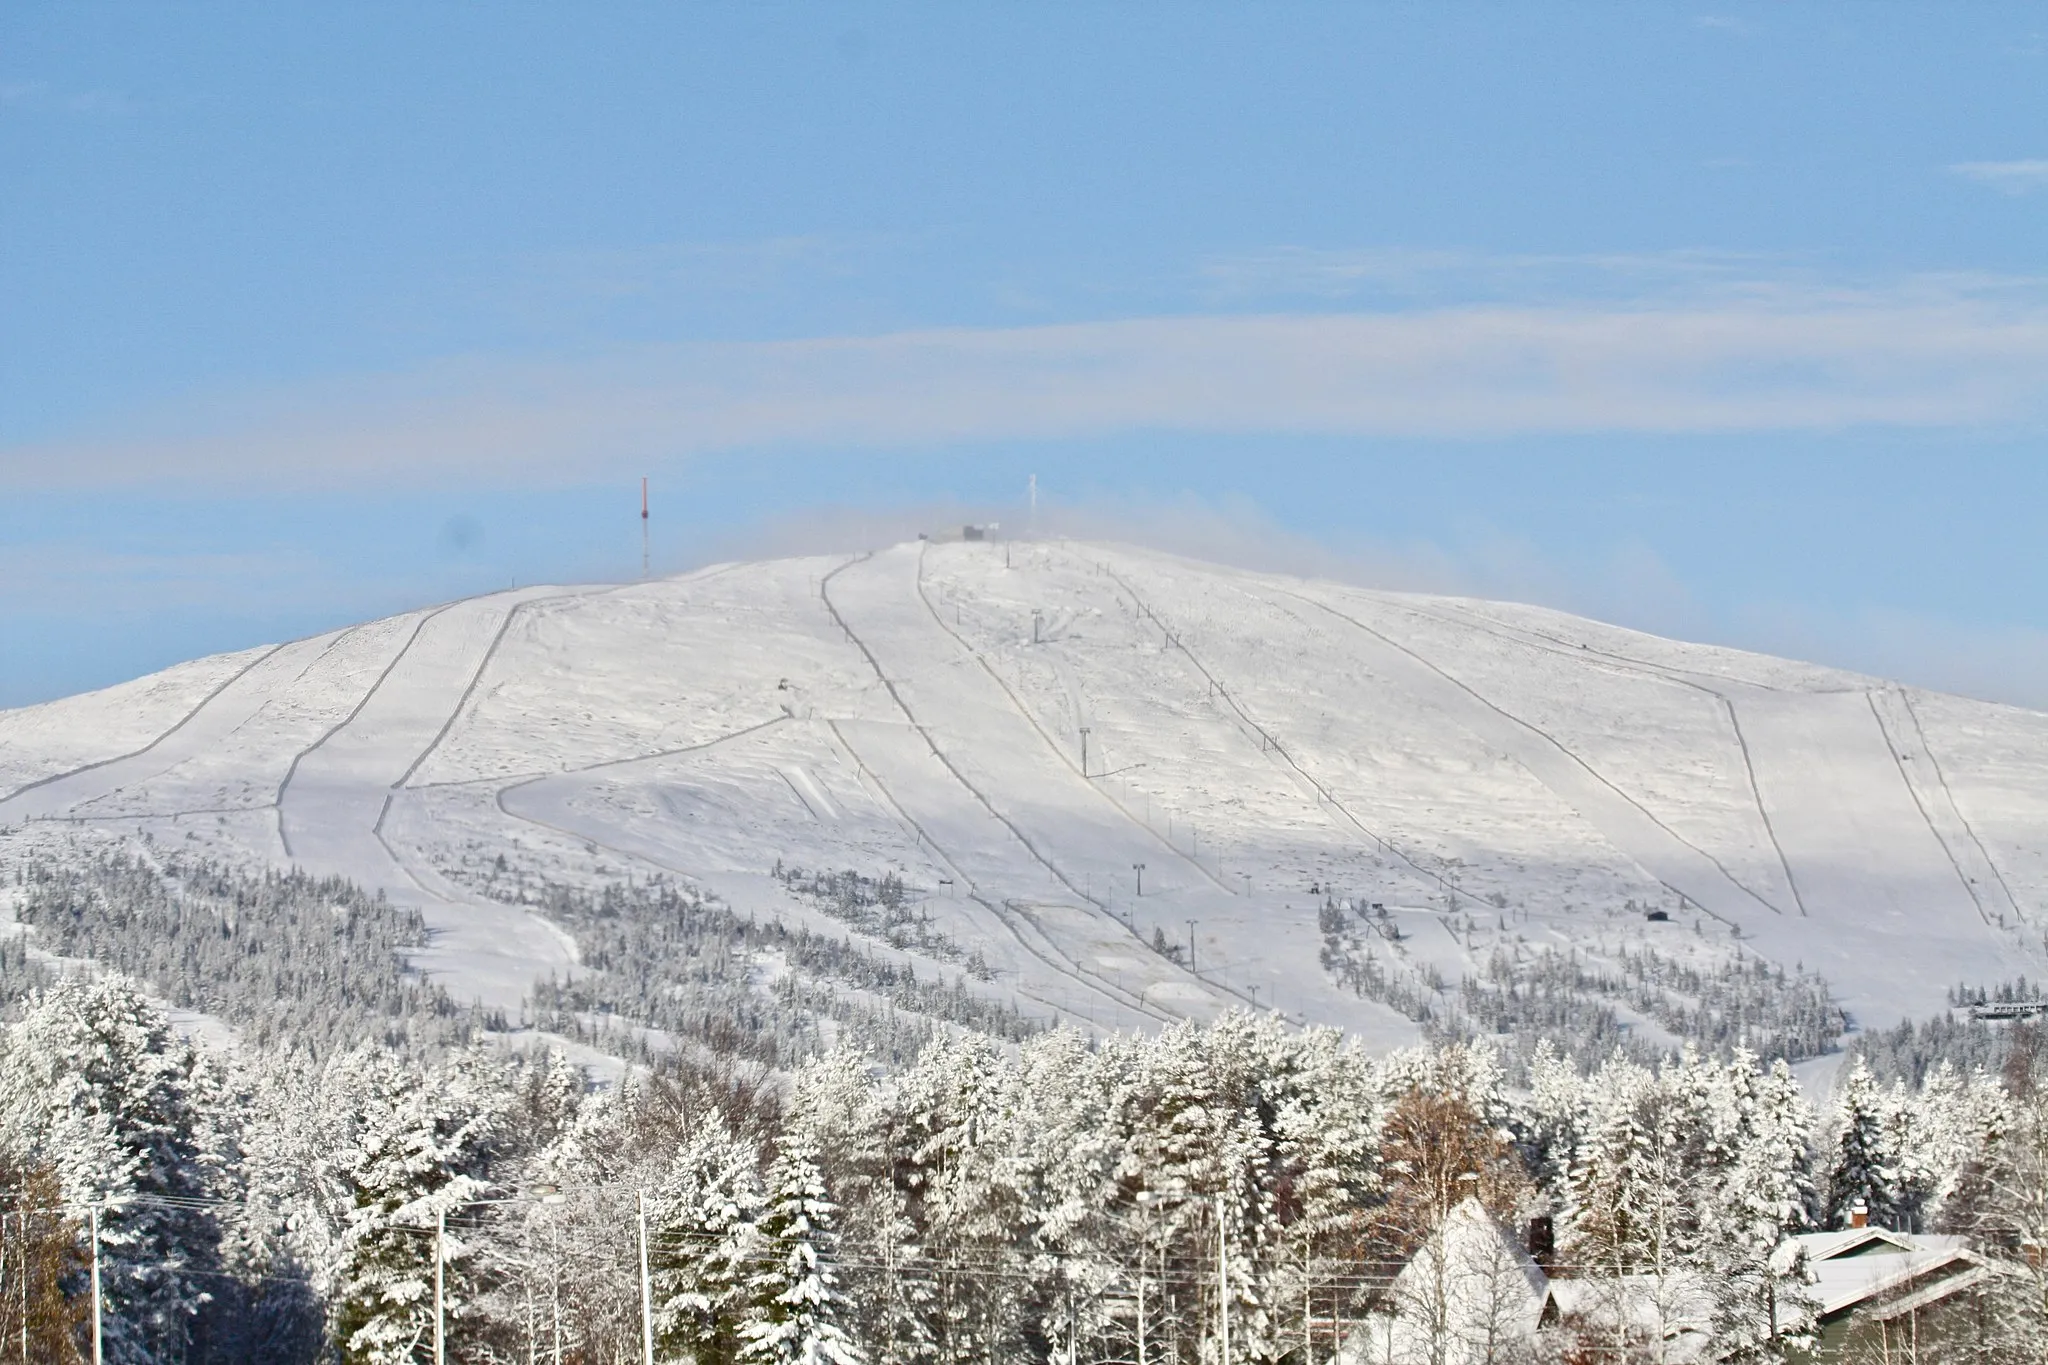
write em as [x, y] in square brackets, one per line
[1016, 729]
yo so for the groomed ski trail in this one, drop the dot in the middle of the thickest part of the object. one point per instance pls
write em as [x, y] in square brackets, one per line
[228, 708]
[934, 682]
[332, 809]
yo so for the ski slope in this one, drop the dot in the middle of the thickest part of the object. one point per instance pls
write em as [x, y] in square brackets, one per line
[1077, 753]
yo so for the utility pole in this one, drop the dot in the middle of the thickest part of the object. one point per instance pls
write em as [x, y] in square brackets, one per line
[1139, 868]
[1308, 1311]
[440, 1259]
[24, 1289]
[98, 1347]
[1084, 751]
[1191, 944]
[1223, 1277]
[1141, 1306]
[646, 1291]
[1146, 1199]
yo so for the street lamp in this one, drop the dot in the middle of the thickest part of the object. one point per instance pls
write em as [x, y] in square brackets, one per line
[1153, 1202]
[551, 1196]
[542, 1194]
[1148, 1198]
[1145, 1198]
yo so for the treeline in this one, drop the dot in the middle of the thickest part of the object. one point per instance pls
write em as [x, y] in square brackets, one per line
[320, 964]
[881, 908]
[658, 956]
[1058, 1200]
[1527, 995]
[285, 957]
[1914, 1048]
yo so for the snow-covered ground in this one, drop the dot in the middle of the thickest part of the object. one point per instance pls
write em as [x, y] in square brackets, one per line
[1487, 771]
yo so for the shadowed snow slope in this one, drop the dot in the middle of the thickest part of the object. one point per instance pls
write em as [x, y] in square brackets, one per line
[1018, 730]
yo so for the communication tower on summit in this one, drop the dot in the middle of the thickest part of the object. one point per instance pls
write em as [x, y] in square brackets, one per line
[643, 528]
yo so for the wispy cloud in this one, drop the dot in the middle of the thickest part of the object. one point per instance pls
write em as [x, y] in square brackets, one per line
[2010, 177]
[1993, 662]
[1926, 354]
[1625, 582]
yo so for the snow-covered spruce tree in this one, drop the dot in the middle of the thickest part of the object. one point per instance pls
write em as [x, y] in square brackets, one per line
[1950, 1124]
[1637, 1189]
[265, 1308]
[1069, 1154]
[567, 1258]
[1326, 1123]
[96, 1084]
[1546, 1124]
[1862, 1156]
[519, 1284]
[1762, 1308]
[421, 1146]
[704, 1242]
[281, 1240]
[870, 1166]
[1199, 1140]
[794, 1304]
[2006, 1216]
[952, 1137]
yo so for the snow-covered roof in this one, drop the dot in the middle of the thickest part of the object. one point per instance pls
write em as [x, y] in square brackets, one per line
[1676, 1308]
[1824, 1246]
[1471, 1287]
[1856, 1265]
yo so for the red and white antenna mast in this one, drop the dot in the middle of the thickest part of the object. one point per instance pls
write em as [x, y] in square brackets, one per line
[643, 527]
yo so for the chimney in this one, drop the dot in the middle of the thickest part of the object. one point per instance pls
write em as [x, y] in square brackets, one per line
[1859, 1214]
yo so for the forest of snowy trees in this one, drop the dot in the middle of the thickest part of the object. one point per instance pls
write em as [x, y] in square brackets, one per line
[1061, 1199]
[1528, 995]
[320, 962]
[842, 1156]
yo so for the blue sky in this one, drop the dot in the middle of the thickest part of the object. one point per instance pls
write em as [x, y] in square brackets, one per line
[1728, 322]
